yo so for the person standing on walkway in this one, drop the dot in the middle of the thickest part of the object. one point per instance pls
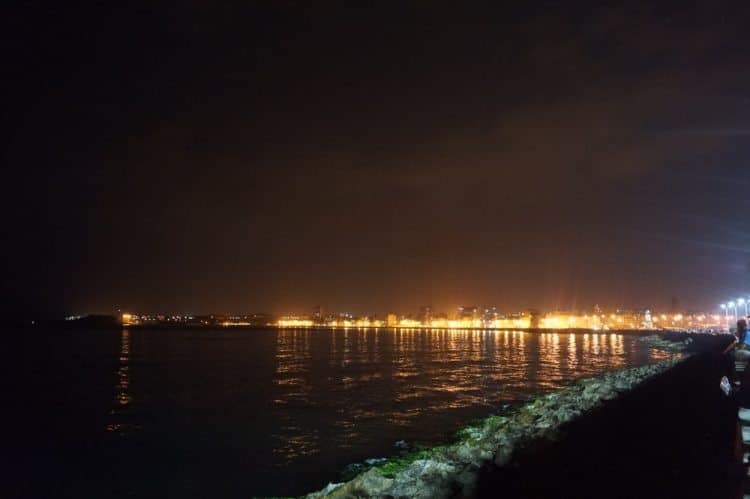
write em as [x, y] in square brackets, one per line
[739, 354]
[742, 332]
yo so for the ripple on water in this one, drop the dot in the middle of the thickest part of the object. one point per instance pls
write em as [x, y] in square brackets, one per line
[299, 401]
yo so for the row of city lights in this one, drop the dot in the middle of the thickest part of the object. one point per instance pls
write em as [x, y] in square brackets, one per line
[733, 306]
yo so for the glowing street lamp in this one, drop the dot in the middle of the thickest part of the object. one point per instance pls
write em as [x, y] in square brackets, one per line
[741, 301]
[733, 306]
[723, 306]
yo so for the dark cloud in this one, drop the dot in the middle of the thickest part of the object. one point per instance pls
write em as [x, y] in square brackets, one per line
[205, 157]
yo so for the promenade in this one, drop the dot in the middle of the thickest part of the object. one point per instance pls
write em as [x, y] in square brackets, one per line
[673, 436]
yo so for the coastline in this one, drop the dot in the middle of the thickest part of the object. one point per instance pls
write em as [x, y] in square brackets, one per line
[461, 469]
[220, 327]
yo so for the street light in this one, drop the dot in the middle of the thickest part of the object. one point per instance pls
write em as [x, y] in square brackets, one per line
[741, 301]
[733, 305]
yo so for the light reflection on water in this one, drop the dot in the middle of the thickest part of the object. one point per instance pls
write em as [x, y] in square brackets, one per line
[420, 385]
[119, 415]
[241, 413]
[293, 386]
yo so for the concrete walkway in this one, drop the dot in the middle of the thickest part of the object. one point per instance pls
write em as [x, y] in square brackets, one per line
[674, 436]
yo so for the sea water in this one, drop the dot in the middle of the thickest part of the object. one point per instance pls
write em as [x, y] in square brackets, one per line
[257, 412]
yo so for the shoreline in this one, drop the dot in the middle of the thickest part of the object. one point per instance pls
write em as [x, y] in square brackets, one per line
[220, 327]
[459, 469]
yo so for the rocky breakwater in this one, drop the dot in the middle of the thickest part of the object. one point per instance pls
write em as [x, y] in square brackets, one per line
[453, 470]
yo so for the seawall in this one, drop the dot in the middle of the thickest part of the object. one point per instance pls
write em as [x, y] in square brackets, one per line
[674, 435]
[507, 455]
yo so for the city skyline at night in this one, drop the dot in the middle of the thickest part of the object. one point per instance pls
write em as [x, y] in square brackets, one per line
[464, 317]
[379, 249]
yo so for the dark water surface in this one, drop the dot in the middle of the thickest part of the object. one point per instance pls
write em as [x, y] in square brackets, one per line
[238, 413]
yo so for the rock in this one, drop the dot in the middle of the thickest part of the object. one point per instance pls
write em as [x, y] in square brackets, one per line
[368, 484]
[471, 453]
[659, 343]
[425, 478]
[325, 492]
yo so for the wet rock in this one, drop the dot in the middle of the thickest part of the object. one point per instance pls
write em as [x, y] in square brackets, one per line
[425, 478]
[473, 453]
[659, 343]
[352, 470]
[368, 484]
[325, 492]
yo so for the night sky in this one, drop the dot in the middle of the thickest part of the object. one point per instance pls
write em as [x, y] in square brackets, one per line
[187, 157]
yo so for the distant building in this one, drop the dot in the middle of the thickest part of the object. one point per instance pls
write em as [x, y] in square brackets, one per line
[317, 315]
[534, 316]
[391, 320]
[464, 312]
[489, 315]
[425, 315]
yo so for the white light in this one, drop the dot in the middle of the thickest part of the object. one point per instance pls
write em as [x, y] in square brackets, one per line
[730, 304]
[741, 301]
[722, 306]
